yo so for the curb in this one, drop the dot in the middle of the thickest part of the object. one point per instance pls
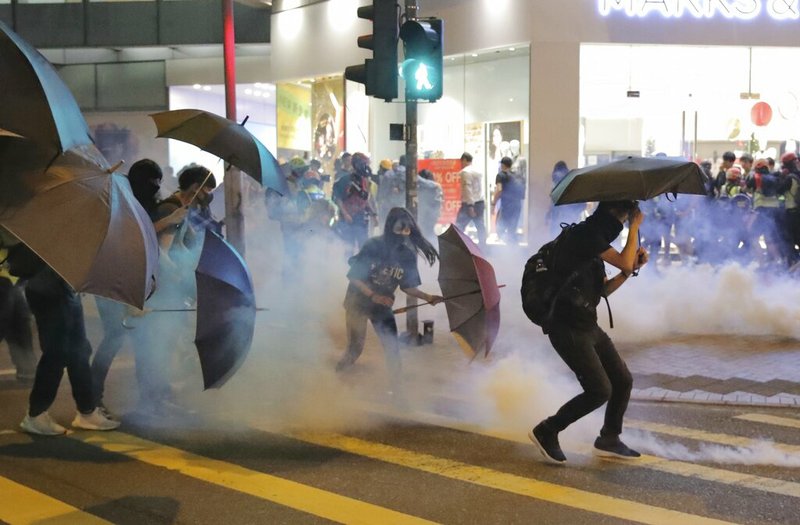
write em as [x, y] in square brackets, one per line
[698, 397]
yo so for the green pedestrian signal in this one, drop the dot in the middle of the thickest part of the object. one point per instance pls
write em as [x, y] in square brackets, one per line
[423, 63]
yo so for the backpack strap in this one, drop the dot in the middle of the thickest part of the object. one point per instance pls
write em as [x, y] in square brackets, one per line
[608, 306]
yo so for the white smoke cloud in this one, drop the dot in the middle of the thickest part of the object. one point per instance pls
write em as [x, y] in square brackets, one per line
[288, 380]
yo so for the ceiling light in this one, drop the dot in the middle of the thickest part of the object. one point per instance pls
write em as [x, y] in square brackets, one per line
[206, 88]
[512, 48]
[257, 84]
[474, 55]
[248, 91]
[197, 86]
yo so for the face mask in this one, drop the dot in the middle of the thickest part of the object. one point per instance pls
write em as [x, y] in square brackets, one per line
[400, 226]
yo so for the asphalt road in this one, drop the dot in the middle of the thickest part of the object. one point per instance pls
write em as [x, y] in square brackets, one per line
[389, 465]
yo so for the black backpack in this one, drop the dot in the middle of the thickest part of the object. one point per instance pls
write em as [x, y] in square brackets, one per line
[542, 284]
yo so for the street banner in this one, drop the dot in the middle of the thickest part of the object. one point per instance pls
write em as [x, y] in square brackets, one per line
[445, 172]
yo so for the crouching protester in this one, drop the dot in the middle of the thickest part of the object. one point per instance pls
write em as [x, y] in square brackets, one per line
[383, 264]
[561, 288]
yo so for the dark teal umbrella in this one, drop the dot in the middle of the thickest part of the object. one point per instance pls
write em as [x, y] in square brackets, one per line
[35, 102]
[226, 310]
[633, 178]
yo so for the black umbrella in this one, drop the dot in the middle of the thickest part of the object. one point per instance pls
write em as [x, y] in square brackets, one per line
[36, 103]
[226, 311]
[633, 178]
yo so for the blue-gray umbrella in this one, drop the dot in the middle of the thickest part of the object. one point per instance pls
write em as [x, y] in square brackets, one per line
[36, 103]
[81, 219]
[226, 310]
[632, 178]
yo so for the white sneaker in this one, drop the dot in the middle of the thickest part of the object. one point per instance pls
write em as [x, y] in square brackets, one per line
[94, 421]
[42, 425]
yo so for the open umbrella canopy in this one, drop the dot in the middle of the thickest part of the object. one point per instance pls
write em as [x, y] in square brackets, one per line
[82, 221]
[467, 277]
[226, 310]
[633, 178]
[226, 139]
[36, 103]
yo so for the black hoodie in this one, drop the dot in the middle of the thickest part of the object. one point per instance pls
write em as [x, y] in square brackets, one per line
[581, 252]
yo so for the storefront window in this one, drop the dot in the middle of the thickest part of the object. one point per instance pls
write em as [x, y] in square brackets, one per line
[690, 101]
[256, 102]
[484, 112]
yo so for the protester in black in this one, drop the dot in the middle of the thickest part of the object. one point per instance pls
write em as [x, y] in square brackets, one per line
[383, 264]
[15, 328]
[576, 336]
[351, 193]
[62, 338]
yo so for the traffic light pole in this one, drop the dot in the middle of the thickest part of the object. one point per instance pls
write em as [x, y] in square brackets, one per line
[412, 320]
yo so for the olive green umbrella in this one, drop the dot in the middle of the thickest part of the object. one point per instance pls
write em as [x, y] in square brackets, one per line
[229, 140]
[632, 178]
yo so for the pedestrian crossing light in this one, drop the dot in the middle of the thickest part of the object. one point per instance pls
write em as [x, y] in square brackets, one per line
[423, 63]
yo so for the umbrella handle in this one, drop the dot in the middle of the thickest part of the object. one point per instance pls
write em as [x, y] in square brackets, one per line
[115, 167]
[407, 308]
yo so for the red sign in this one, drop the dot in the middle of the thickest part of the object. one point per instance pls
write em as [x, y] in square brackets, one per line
[446, 173]
[761, 114]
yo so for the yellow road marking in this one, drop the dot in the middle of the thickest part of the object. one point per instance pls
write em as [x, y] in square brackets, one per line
[771, 420]
[511, 483]
[669, 466]
[678, 468]
[20, 505]
[282, 491]
[702, 435]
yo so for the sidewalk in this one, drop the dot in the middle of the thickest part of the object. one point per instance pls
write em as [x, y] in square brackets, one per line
[735, 370]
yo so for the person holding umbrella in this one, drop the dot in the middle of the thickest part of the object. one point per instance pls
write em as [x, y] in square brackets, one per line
[579, 260]
[62, 339]
[383, 264]
[144, 177]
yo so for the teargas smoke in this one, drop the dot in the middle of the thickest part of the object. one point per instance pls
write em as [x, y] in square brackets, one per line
[289, 381]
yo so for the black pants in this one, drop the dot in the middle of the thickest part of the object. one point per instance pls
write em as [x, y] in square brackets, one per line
[385, 326]
[463, 219]
[601, 372]
[62, 337]
[15, 328]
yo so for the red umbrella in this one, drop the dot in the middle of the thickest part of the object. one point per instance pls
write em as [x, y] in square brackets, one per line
[470, 288]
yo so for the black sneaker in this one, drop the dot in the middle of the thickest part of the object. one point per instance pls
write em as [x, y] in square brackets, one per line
[547, 442]
[612, 447]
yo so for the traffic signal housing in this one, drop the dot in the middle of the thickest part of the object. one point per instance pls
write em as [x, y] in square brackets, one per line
[379, 73]
[423, 64]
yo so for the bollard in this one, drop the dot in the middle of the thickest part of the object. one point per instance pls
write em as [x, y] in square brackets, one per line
[427, 332]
